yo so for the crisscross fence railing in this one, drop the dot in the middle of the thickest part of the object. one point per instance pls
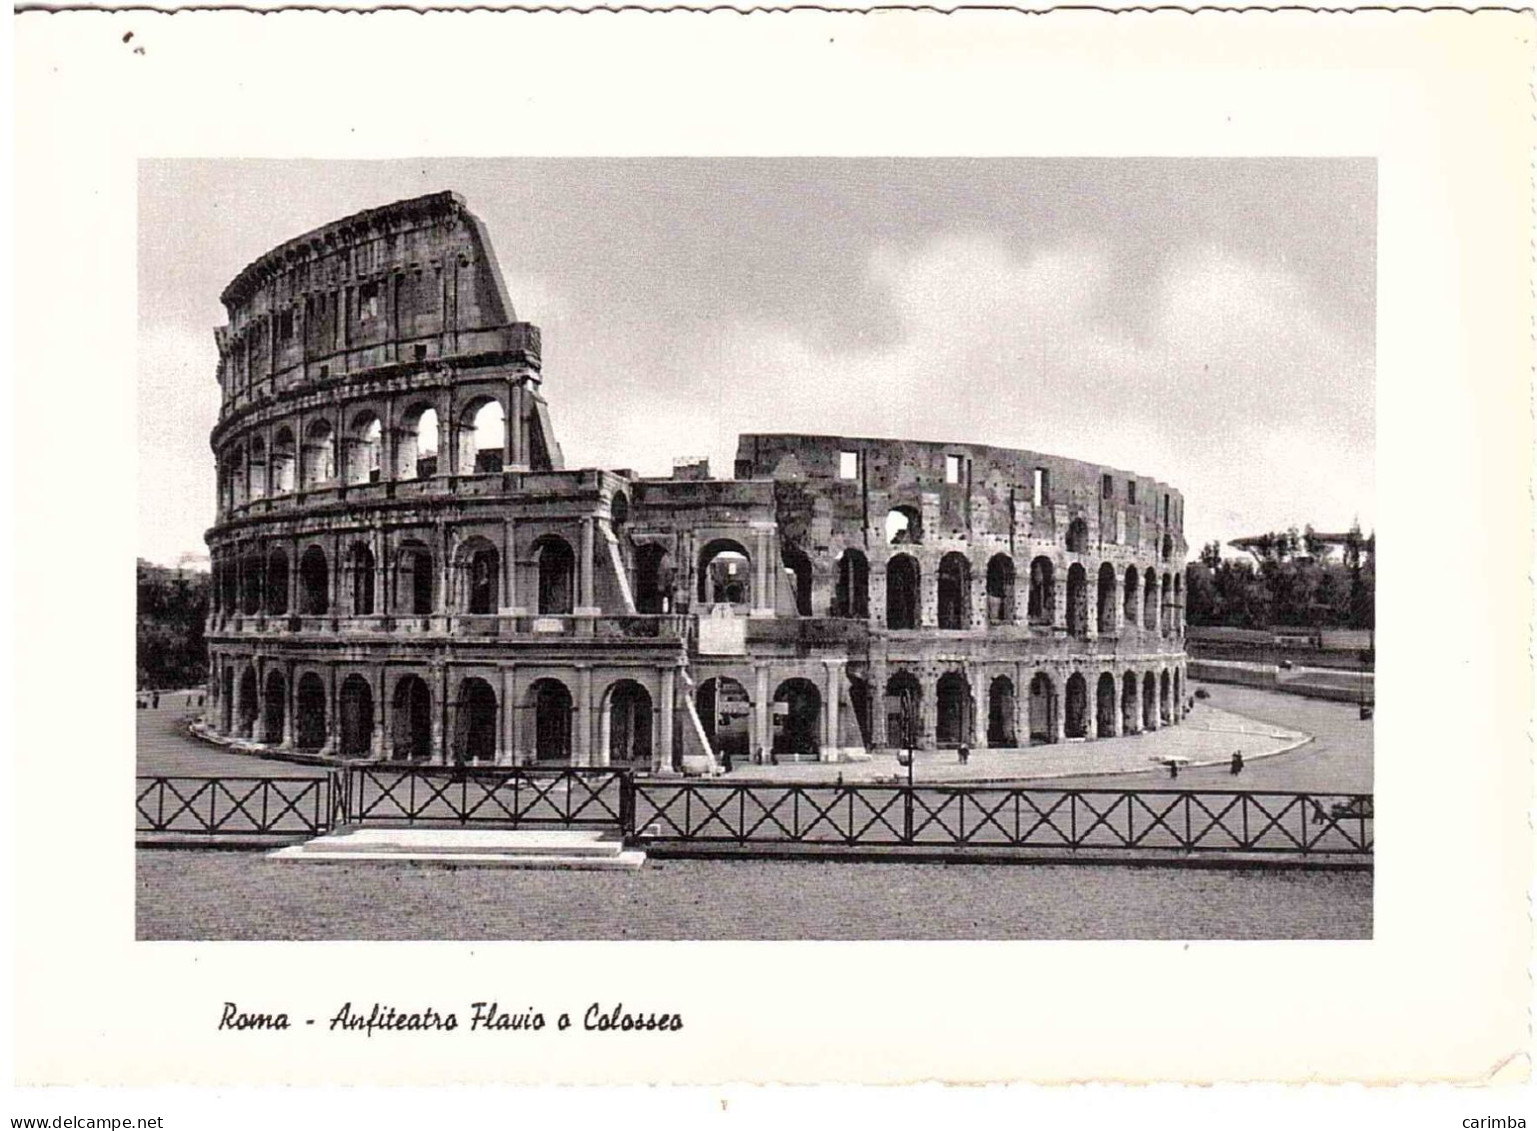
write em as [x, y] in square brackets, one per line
[999, 816]
[486, 796]
[236, 807]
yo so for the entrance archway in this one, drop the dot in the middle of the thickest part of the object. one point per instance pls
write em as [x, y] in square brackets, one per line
[314, 582]
[412, 720]
[1077, 601]
[904, 711]
[1149, 701]
[725, 573]
[954, 591]
[557, 576]
[1043, 709]
[275, 709]
[1000, 589]
[952, 721]
[475, 722]
[1000, 712]
[629, 724]
[726, 712]
[1165, 701]
[797, 716]
[357, 717]
[247, 715]
[310, 713]
[1130, 716]
[1076, 724]
[902, 589]
[551, 701]
[1104, 714]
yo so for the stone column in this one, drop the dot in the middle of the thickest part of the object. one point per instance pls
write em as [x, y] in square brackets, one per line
[878, 678]
[1091, 707]
[1091, 606]
[929, 712]
[1153, 719]
[381, 708]
[333, 715]
[1059, 596]
[511, 740]
[439, 677]
[583, 754]
[587, 604]
[831, 738]
[762, 602]
[259, 724]
[760, 707]
[979, 684]
[664, 739]
[1022, 677]
[1115, 702]
[509, 565]
[1059, 707]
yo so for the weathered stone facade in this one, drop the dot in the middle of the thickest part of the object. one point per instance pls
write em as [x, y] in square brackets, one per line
[484, 604]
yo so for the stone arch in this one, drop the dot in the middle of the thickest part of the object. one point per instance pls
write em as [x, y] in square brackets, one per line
[1000, 589]
[618, 511]
[475, 722]
[653, 578]
[1077, 600]
[258, 475]
[1165, 699]
[280, 472]
[1043, 597]
[277, 582]
[904, 526]
[1107, 595]
[725, 573]
[954, 591]
[551, 704]
[237, 477]
[482, 436]
[952, 710]
[851, 597]
[904, 711]
[1132, 587]
[415, 578]
[1076, 722]
[1150, 601]
[1149, 701]
[903, 581]
[411, 720]
[556, 563]
[274, 708]
[797, 729]
[416, 442]
[1131, 717]
[479, 568]
[314, 582]
[365, 448]
[797, 567]
[627, 724]
[247, 704]
[1078, 537]
[1000, 712]
[1167, 547]
[318, 460]
[360, 579]
[251, 586]
[1166, 604]
[1105, 705]
[355, 716]
[1043, 708]
[310, 712]
[725, 710]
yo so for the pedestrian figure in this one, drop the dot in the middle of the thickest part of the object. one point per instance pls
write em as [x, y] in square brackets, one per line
[725, 759]
[199, 700]
[840, 777]
[1174, 769]
[155, 701]
[965, 754]
[1237, 762]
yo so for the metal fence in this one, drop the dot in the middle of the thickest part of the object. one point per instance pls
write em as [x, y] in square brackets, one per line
[991, 816]
[237, 807]
[486, 796]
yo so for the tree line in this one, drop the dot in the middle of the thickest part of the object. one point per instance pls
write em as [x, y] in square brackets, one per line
[171, 612]
[1292, 583]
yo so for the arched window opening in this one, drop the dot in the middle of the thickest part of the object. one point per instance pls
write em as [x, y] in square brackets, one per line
[1000, 712]
[480, 569]
[416, 444]
[229, 600]
[1129, 603]
[275, 708]
[237, 477]
[904, 526]
[248, 701]
[314, 582]
[797, 567]
[277, 582]
[365, 449]
[1000, 589]
[258, 468]
[902, 592]
[797, 719]
[281, 475]
[629, 725]
[1165, 700]
[954, 591]
[357, 717]
[319, 461]
[1150, 602]
[724, 573]
[653, 579]
[618, 511]
[251, 585]
[310, 713]
[1168, 547]
[952, 721]
[1107, 595]
[851, 598]
[551, 701]
[1077, 721]
[557, 575]
[859, 699]
[1043, 709]
[411, 719]
[482, 437]
[1043, 596]
[1130, 716]
[360, 567]
[475, 722]
[1177, 617]
[1077, 600]
[904, 711]
[1149, 701]
[726, 713]
[1077, 536]
[413, 579]
[1104, 713]
[1167, 590]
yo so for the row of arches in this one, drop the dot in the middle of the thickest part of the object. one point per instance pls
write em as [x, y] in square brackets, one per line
[904, 527]
[262, 710]
[257, 582]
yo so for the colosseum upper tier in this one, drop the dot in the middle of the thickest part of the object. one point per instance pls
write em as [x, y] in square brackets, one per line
[405, 568]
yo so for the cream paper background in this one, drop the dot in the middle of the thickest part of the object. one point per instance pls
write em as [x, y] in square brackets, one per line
[1442, 991]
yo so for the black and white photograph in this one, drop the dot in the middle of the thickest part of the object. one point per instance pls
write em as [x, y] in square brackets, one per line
[680, 556]
[709, 549]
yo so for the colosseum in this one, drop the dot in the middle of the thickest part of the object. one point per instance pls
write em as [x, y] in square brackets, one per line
[405, 568]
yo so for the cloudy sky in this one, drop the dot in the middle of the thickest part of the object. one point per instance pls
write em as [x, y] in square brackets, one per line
[1210, 323]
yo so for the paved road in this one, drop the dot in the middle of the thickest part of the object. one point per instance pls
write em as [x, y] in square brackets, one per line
[165, 748]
